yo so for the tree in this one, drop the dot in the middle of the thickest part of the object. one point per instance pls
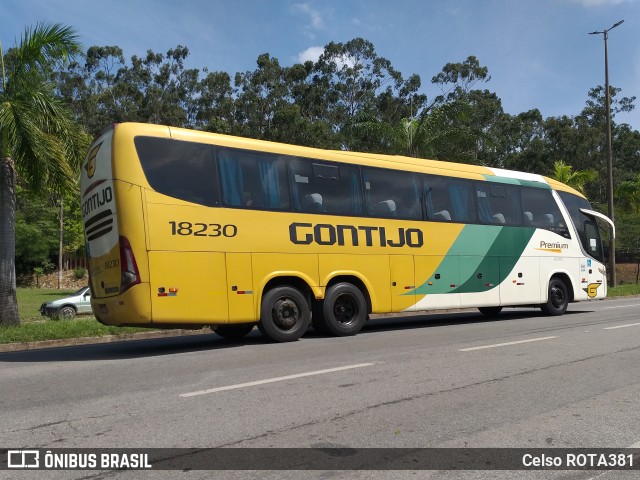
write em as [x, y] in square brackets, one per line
[36, 231]
[39, 142]
[627, 195]
[472, 114]
[358, 84]
[576, 179]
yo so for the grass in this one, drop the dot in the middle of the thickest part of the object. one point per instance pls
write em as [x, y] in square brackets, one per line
[30, 299]
[624, 290]
[35, 327]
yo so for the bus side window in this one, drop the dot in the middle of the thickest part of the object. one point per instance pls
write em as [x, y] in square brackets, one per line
[436, 199]
[540, 210]
[449, 199]
[325, 187]
[392, 194]
[179, 169]
[498, 203]
[253, 180]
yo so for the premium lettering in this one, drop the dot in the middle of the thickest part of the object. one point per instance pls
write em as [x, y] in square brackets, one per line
[544, 244]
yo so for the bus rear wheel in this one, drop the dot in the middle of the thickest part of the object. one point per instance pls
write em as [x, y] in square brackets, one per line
[234, 331]
[284, 315]
[344, 310]
[557, 298]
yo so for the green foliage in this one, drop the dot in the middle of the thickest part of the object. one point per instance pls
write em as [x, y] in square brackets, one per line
[576, 179]
[624, 290]
[79, 273]
[63, 329]
[36, 231]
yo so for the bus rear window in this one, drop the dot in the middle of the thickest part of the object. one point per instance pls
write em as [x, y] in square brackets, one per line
[183, 170]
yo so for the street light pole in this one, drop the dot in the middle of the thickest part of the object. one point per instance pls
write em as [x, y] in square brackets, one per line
[612, 241]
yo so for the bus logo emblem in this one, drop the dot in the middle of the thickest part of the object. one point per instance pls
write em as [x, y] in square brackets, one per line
[91, 161]
[592, 289]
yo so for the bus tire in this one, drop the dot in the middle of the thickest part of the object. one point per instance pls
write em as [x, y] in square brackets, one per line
[557, 298]
[284, 315]
[490, 311]
[344, 309]
[234, 331]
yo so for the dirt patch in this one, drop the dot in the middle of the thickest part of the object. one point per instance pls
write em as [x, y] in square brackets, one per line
[627, 273]
[68, 281]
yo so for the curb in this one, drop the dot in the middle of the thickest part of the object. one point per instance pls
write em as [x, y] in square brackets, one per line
[74, 342]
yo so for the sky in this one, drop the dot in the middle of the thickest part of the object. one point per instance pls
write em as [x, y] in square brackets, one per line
[538, 52]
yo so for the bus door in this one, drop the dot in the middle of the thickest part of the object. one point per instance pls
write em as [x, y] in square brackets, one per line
[592, 275]
[521, 283]
[403, 296]
[240, 291]
[188, 287]
[590, 268]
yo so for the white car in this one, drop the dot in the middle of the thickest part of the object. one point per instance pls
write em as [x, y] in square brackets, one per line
[68, 307]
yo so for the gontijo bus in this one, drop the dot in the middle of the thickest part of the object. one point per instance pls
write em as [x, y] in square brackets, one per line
[187, 229]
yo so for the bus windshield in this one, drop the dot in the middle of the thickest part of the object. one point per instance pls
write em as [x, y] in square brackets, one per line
[586, 225]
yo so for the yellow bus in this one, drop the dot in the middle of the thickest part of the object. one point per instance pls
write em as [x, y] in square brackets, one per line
[186, 229]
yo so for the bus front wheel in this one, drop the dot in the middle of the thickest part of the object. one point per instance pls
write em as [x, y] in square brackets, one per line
[344, 310]
[284, 315]
[557, 298]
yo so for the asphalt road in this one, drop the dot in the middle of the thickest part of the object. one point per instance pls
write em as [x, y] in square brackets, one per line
[442, 380]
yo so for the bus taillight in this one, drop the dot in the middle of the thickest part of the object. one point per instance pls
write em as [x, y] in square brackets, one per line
[129, 274]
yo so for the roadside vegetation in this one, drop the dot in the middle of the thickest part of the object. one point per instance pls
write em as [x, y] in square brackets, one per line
[35, 327]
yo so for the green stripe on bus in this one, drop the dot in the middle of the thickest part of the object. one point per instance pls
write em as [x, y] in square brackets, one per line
[516, 181]
[486, 249]
[474, 241]
[498, 262]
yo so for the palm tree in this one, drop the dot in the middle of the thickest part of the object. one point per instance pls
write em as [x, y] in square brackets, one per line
[564, 173]
[415, 137]
[40, 144]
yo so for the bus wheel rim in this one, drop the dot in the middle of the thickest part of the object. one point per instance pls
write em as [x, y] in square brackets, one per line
[285, 313]
[345, 309]
[557, 297]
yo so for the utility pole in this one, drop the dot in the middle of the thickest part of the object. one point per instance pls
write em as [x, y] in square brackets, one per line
[612, 241]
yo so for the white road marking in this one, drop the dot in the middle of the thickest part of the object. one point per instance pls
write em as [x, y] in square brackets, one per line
[276, 379]
[635, 445]
[505, 344]
[622, 326]
[623, 306]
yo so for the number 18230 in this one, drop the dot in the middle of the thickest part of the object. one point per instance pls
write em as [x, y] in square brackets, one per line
[203, 229]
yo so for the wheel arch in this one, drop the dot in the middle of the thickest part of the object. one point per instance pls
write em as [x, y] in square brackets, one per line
[290, 280]
[356, 281]
[566, 279]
